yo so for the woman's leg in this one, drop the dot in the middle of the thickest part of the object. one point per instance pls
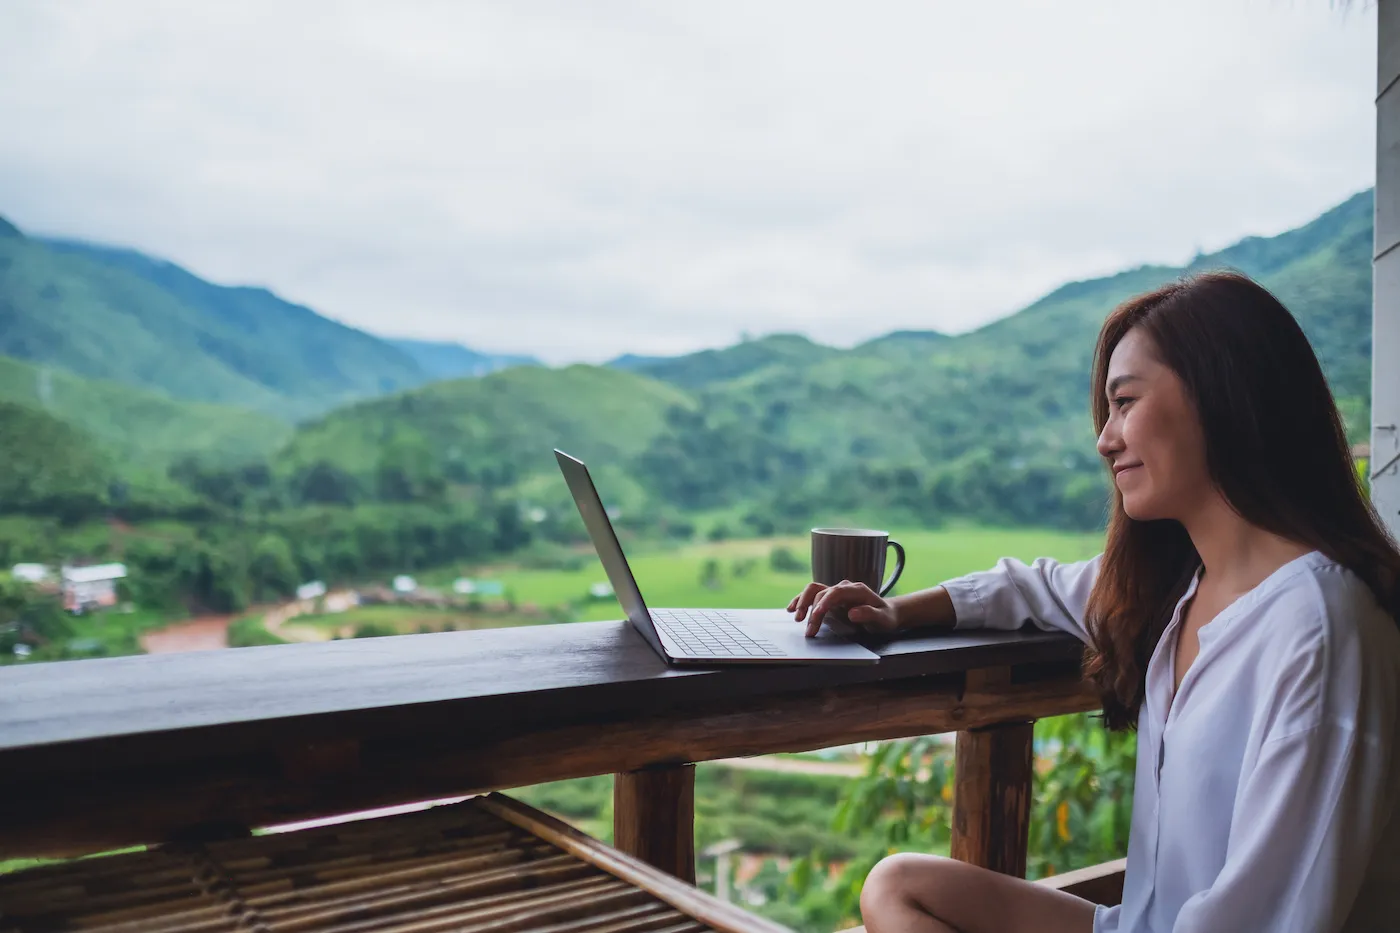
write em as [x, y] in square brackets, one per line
[910, 893]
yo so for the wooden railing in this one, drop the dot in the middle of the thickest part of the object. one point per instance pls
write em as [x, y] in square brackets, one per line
[116, 752]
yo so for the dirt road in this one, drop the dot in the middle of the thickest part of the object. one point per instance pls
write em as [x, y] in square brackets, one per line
[205, 633]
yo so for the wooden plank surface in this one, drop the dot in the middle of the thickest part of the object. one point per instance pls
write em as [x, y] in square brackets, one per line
[120, 751]
[139, 791]
[654, 817]
[1102, 884]
[604, 668]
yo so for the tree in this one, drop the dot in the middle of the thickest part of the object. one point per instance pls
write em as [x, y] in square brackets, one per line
[407, 472]
[710, 575]
[29, 616]
[273, 570]
[1081, 805]
[324, 482]
[782, 560]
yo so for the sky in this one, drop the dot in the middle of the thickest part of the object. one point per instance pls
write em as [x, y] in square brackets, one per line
[579, 180]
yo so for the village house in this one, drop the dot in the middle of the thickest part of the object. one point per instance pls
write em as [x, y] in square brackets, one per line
[91, 587]
[31, 573]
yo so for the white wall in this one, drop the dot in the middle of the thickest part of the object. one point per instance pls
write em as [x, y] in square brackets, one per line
[1385, 327]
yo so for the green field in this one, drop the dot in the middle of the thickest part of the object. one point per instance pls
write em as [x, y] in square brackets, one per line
[418, 618]
[744, 577]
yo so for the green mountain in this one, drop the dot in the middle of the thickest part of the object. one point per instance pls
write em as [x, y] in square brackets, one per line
[49, 467]
[707, 367]
[904, 345]
[992, 424]
[139, 427]
[121, 316]
[494, 431]
[1322, 272]
[453, 361]
[995, 422]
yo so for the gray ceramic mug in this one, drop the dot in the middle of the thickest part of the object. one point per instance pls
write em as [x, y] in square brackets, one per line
[855, 554]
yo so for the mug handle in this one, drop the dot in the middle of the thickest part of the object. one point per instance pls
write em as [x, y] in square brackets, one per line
[898, 566]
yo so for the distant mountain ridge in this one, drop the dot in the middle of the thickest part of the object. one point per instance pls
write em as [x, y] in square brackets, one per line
[442, 360]
[696, 370]
[119, 315]
[236, 345]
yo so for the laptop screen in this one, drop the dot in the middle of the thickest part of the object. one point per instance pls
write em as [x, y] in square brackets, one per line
[595, 519]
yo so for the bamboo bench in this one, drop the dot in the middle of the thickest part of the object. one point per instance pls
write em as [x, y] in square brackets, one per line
[486, 864]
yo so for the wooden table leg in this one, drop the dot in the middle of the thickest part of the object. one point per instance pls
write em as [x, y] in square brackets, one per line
[992, 797]
[654, 817]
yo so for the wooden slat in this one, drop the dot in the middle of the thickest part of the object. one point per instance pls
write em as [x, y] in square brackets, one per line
[586, 888]
[708, 910]
[992, 789]
[654, 817]
[1102, 884]
[149, 892]
[134, 799]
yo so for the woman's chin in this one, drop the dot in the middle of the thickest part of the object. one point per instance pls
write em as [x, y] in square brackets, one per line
[1140, 509]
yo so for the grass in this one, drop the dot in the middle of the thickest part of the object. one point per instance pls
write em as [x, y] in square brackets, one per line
[744, 579]
[103, 633]
[249, 632]
[406, 618]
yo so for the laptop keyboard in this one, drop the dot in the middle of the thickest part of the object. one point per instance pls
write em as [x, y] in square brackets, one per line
[711, 633]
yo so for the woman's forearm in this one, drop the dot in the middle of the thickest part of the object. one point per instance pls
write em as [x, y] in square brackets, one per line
[931, 608]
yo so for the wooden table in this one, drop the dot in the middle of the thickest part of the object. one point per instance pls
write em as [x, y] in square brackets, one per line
[105, 753]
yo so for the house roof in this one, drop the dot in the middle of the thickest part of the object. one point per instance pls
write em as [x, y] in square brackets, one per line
[94, 574]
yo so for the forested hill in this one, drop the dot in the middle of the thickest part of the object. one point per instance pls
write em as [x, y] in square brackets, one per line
[122, 316]
[992, 424]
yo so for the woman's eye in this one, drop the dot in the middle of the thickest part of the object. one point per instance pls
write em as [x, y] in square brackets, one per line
[1120, 401]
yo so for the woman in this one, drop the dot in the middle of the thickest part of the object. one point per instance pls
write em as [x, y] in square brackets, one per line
[1242, 617]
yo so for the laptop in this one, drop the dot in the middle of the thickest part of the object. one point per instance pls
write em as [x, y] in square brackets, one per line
[702, 636]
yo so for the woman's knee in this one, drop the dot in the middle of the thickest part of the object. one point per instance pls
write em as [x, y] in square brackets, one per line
[959, 896]
[902, 881]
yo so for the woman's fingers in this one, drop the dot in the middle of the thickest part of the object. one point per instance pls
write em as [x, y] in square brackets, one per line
[804, 600]
[844, 593]
[862, 614]
[873, 616]
[816, 600]
[851, 596]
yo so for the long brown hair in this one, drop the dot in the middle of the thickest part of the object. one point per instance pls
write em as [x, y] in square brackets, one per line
[1275, 448]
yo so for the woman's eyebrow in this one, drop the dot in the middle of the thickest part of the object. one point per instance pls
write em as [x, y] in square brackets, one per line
[1117, 381]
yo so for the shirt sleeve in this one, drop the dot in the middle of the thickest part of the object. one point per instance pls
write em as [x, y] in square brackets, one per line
[1045, 593]
[1311, 807]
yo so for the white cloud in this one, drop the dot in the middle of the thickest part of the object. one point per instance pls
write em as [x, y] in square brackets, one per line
[579, 180]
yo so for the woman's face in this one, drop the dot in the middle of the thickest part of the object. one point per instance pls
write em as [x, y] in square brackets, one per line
[1153, 439]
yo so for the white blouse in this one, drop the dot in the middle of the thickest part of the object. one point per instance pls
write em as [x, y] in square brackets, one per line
[1265, 792]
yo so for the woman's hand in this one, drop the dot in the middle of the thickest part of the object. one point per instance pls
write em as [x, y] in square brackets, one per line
[864, 607]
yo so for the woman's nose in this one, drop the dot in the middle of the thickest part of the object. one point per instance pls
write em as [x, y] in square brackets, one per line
[1110, 441]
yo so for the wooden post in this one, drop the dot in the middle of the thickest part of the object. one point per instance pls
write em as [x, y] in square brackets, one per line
[1384, 467]
[654, 817]
[992, 786]
[992, 797]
